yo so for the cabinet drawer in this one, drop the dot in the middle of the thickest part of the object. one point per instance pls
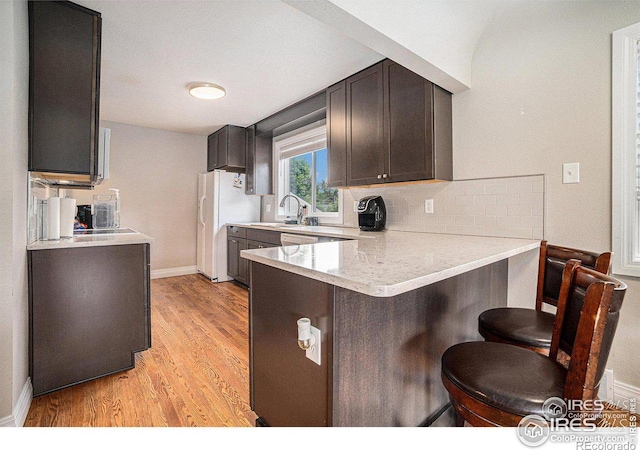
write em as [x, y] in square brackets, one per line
[237, 232]
[252, 245]
[270, 237]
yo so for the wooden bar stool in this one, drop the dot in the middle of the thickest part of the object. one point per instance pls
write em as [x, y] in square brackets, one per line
[532, 328]
[497, 384]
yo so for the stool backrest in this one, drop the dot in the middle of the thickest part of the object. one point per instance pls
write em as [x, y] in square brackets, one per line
[588, 312]
[552, 261]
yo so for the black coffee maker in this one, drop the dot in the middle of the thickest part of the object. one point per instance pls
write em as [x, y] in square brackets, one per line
[372, 214]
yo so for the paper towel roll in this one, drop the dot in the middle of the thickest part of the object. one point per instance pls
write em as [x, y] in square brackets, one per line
[67, 216]
[53, 218]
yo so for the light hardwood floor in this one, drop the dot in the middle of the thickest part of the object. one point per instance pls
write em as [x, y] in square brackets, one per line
[195, 374]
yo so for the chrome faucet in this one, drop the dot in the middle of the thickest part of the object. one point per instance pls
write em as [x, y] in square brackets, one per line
[299, 210]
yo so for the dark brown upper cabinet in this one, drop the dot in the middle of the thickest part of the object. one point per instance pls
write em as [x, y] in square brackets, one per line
[64, 86]
[397, 127]
[258, 180]
[226, 149]
[337, 134]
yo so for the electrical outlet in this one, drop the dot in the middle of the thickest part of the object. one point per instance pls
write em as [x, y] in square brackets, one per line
[428, 206]
[313, 352]
[571, 173]
[355, 205]
[268, 207]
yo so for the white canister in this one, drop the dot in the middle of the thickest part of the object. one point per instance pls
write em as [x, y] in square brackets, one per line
[53, 218]
[67, 216]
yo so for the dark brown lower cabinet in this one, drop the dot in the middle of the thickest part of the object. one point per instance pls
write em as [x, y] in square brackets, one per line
[89, 312]
[380, 356]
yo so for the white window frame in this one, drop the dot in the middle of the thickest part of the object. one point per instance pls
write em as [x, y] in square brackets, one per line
[315, 130]
[625, 213]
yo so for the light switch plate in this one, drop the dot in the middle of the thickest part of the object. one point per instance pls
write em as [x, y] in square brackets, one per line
[268, 207]
[428, 206]
[571, 173]
[355, 205]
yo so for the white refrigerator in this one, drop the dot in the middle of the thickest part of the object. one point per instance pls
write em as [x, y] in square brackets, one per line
[220, 203]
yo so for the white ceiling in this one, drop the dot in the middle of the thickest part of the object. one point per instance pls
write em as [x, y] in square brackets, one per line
[265, 53]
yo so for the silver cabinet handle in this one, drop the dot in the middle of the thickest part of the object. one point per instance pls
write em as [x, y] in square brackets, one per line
[379, 177]
[384, 175]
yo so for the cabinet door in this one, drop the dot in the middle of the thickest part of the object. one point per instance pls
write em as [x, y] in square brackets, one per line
[64, 71]
[337, 134]
[408, 124]
[365, 122]
[243, 264]
[250, 159]
[212, 152]
[223, 148]
[233, 258]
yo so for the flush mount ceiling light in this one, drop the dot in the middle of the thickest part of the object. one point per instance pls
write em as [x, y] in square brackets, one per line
[206, 90]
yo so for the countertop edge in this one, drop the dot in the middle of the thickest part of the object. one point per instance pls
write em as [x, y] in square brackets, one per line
[333, 231]
[68, 243]
[388, 290]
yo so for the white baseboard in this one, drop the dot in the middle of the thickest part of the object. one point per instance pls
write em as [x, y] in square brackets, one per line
[623, 393]
[174, 272]
[22, 407]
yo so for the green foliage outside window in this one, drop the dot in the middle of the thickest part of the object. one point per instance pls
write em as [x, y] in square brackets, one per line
[300, 181]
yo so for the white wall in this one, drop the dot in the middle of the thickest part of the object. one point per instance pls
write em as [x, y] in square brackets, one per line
[540, 97]
[13, 197]
[434, 38]
[443, 32]
[156, 172]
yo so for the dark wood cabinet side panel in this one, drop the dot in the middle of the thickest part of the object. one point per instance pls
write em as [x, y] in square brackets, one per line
[337, 135]
[387, 350]
[408, 125]
[64, 75]
[443, 133]
[365, 122]
[287, 388]
[264, 164]
[250, 158]
[88, 313]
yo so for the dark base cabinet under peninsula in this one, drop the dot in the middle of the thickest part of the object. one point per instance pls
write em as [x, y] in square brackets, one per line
[380, 356]
[89, 312]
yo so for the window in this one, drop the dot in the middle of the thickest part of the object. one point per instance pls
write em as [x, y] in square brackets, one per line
[301, 165]
[626, 151]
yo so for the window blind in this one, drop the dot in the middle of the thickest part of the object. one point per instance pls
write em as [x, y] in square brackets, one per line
[303, 146]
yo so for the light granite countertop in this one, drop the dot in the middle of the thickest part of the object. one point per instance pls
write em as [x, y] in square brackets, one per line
[387, 263]
[88, 240]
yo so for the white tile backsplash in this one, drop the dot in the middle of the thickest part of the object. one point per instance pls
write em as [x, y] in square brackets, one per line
[501, 207]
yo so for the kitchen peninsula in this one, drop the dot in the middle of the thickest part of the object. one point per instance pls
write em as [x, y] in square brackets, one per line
[388, 305]
[89, 306]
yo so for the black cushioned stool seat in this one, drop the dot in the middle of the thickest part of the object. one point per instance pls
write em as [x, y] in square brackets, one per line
[521, 326]
[507, 377]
